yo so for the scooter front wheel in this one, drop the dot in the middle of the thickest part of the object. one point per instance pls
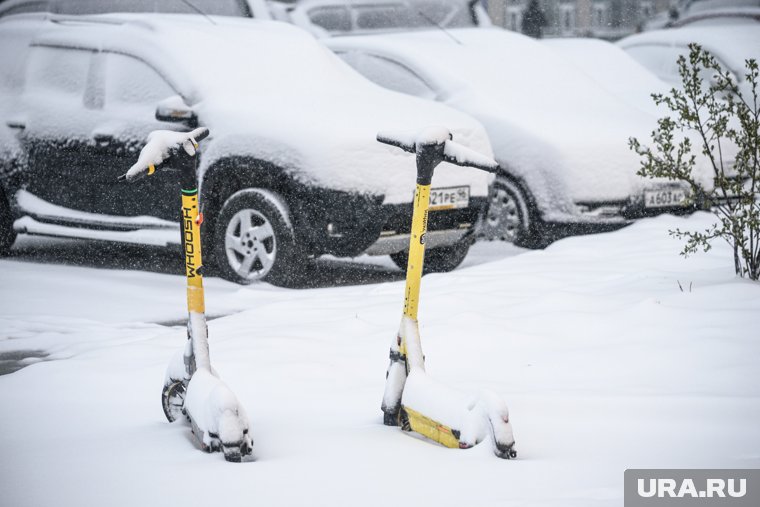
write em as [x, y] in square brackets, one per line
[173, 399]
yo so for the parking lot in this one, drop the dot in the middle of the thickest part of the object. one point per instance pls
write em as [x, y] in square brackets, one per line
[611, 351]
[262, 212]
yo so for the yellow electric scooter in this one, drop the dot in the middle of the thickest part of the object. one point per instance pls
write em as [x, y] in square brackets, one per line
[192, 388]
[412, 399]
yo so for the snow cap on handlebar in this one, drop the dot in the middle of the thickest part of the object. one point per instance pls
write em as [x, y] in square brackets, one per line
[434, 145]
[162, 146]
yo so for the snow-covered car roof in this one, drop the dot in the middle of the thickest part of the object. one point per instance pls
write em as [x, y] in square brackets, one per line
[271, 90]
[731, 44]
[546, 118]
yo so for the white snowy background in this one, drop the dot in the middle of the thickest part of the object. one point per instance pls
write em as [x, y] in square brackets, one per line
[605, 363]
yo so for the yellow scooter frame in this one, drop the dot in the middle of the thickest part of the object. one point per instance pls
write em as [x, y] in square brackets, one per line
[433, 146]
[192, 388]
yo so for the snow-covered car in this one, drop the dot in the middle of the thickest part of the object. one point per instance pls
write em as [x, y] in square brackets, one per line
[714, 12]
[728, 16]
[325, 18]
[241, 8]
[560, 138]
[292, 168]
[731, 44]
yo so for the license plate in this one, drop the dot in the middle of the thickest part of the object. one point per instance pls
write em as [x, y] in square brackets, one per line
[449, 198]
[665, 198]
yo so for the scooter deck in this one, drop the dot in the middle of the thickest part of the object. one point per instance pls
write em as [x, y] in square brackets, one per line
[411, 420]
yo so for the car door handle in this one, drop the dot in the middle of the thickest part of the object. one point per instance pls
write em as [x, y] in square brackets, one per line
[102, 140]
[16, 124]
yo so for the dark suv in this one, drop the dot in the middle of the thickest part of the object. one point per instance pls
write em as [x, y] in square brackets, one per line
[292, 167]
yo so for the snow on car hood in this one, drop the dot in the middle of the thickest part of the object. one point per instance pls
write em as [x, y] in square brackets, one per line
[613, 69]
[549, 123]
[270, 90]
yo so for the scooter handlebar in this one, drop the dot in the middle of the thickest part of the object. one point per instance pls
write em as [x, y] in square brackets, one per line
[460, 154]
[435, 138]
[162, 147]
[392, 140]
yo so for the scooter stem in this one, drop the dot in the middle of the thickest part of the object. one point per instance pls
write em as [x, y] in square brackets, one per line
[416, 250]
[191, 219]
[428, 158]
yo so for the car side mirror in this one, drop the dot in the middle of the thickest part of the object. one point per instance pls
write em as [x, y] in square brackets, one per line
[173, 109]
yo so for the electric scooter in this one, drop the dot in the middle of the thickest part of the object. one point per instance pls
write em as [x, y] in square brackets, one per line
[412, 399]
[192, 388]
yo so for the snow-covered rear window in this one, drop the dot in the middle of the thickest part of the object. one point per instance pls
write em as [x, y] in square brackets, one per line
[393, 15]
[332, 19]
[131, 81]
[58, 70]
[446, 13]
[384, 16]
[388, 74]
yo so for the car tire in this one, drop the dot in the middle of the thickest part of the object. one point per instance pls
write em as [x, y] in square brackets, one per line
[510, 217]
[7, 234]
[437, 260]
[254, 239]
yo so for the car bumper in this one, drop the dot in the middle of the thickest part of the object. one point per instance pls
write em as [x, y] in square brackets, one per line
[392, 243]
[445, 227]
[347, 225]
[605, 216]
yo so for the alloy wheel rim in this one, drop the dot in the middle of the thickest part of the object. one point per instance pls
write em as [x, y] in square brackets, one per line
[503, 217]
[250, 244]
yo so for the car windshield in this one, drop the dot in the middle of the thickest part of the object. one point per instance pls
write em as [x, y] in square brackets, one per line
[276, 60]
[402, 15]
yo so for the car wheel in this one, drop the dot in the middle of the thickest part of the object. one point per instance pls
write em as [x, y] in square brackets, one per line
[253, 238]
[509, 216]
[437, 260]
[7, 234]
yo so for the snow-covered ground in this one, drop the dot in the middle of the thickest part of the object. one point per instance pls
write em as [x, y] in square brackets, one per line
[605, 363]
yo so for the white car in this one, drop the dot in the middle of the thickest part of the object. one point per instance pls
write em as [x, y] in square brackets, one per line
[240, 8]
[292, 168]
[718, 12]
[560, 137]
[731, 44]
